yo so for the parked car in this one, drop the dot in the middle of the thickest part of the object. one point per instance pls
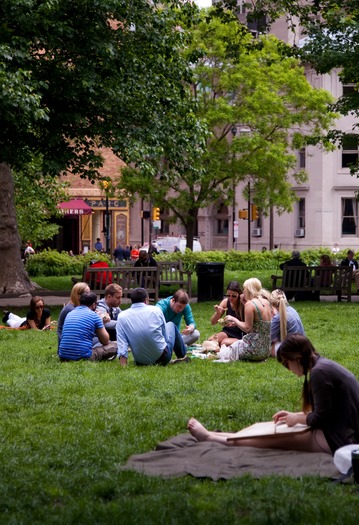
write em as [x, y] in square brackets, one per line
[172, 244]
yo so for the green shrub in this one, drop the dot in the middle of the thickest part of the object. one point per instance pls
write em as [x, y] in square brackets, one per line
[249, 261]
[52, 262]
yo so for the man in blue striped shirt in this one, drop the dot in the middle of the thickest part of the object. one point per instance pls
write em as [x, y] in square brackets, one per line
[80, 326]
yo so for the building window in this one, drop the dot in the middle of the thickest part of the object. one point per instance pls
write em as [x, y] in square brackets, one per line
[242, 6]
[349, 90]
[222, 220]
[349, 150]
[301, 213]
[302, 158]
[349, 216]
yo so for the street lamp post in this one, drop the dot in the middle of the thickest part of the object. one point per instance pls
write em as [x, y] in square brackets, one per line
[249, 216]
[234, 133]
[107, 217]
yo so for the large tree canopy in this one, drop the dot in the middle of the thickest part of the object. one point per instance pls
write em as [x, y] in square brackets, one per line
[331, 28]
[79, 75]
[255, 89]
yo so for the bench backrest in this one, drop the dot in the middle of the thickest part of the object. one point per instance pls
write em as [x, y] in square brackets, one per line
[127, 277]
[316, 278]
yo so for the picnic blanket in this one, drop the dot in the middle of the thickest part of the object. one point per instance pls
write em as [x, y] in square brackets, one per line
[183, 454]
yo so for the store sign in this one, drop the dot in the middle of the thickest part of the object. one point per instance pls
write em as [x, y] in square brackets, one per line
[101, 203]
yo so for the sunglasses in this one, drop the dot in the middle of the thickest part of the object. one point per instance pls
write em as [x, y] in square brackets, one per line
[39, 307]
[234, 295]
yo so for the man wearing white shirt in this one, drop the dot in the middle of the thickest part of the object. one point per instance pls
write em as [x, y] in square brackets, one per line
[143, 328]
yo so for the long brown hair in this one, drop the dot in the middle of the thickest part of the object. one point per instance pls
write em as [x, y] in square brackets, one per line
[34, 300]
[297, 347]
[234, 286]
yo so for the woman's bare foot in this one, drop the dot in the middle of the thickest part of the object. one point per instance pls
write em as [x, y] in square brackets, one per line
[198, 430]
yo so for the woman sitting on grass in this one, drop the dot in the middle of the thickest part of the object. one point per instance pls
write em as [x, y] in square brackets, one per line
[231, 305]
[37, 318]
[330, 405]
[77, 290]
[285, 320]
[255, 345]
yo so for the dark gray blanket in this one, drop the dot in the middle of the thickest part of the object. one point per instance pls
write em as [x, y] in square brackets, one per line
[182, 455]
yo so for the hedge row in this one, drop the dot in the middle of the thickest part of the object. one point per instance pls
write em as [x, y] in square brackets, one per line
[52, 262]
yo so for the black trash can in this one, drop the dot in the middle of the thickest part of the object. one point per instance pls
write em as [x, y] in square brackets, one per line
[210, 281]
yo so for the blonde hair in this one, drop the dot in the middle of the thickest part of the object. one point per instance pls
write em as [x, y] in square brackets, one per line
[77, 290]
[253, 287]
[278, 299]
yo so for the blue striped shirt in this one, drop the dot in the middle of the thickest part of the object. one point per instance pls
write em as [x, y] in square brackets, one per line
[79, 328]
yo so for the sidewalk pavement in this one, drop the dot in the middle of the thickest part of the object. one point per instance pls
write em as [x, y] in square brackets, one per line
[61, 298]
[56, 299]
[6, 303]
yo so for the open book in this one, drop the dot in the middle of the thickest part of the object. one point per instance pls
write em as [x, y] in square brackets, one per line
[268, 429]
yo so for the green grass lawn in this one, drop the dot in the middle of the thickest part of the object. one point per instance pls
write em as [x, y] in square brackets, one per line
[67, 428]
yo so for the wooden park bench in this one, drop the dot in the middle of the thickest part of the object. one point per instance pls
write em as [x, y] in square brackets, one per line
[129, 277]
[172, 273]
[322, 280]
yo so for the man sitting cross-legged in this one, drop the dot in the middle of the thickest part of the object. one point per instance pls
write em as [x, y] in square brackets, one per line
[78, 331]
[109, 308]
[177, 307]
[143, 328]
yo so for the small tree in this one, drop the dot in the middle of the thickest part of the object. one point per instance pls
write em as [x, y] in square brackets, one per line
[332, 32]
[255, 87]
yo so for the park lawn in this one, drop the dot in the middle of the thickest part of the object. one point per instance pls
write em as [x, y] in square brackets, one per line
[68, 428]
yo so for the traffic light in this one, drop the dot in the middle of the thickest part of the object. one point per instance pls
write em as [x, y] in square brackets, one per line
[243, 214]
[255, 213]
[156, 214]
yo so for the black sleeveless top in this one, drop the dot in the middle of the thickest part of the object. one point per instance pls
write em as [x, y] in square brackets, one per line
[232, 331]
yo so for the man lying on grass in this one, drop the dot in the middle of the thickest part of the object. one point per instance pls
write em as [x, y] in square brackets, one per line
[330, 405]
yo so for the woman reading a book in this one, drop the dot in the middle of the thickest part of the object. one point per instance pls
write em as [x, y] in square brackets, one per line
[330, 406]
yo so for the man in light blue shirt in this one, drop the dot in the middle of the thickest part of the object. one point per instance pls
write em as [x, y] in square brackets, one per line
[143, 328]
[175, 308]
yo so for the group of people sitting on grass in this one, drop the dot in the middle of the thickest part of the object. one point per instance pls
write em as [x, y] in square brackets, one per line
[256, 324]
[99, 330]
[253, 324]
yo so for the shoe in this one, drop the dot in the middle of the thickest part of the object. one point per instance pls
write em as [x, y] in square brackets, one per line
[185, 359]
[6, 316]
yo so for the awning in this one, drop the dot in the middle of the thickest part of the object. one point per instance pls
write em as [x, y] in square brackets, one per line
[75, 207]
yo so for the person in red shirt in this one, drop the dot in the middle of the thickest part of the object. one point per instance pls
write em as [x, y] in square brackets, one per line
[100, 278]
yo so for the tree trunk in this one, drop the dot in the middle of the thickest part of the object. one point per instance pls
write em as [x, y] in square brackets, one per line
[13, 277]
[190, 226]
